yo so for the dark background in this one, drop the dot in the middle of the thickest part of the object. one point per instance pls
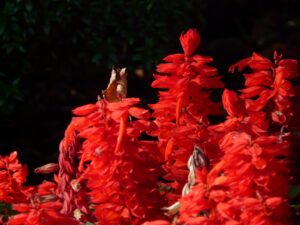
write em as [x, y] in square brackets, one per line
[57, 54]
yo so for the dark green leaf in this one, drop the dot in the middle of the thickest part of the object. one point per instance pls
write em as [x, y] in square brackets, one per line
[294, 191]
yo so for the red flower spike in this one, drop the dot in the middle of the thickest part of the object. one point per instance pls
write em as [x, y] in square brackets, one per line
[190, 41]
[114, 163]
[182, 110]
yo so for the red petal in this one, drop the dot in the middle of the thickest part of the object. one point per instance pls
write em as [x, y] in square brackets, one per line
[21, 207]
[169, 149]
[291, 66]
[166, 68]
[139, 113]
[251, 91]
[174, 58]
[275, 201]
[240, 65]
[259, 62]
[164, 81]
[232, 103]
[84, 110]
[13, 157]
[267, 140]
[202, 59]
[262, 78]
[259, 163]
[157, 222]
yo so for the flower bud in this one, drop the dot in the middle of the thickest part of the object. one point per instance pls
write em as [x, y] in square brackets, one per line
[48, 168]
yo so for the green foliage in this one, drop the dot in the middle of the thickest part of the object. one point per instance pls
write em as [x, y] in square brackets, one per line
[89, 223]
[6, 210]
[43, 37]
[294, 191]
[9, 93]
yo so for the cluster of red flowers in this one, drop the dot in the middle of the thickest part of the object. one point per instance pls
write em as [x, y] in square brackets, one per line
[122, 164]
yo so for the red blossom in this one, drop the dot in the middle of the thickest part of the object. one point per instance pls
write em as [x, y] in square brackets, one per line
[235, 172]
[12, 176]
[121, 171]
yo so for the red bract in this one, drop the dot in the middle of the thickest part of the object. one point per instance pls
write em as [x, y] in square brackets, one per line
[12, 176]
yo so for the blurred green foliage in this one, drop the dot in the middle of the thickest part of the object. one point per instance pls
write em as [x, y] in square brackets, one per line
[6, 211]
[294, 191]
[43, 36]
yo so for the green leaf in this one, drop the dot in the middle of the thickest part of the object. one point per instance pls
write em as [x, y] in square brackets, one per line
[28, 7]
[294, 191]
[295, 206]
[89, 223]
[6, 210]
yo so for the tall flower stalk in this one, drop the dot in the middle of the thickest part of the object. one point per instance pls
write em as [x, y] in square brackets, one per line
[184, 104]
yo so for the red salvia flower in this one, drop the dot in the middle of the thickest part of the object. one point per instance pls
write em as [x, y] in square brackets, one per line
[121, 171]
[40, 209]
[35, 205]
[235, 172]
[12, 176]
[72, 194]
[182, 110]
[249, 185]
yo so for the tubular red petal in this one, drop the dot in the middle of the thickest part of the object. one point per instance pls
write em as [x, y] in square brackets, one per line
[232, 103]
[190, 41]
[174, 58]
[85, 110]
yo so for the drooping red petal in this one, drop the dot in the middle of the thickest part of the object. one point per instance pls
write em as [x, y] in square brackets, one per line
[174, 58]
[85, 110]
[232, 103]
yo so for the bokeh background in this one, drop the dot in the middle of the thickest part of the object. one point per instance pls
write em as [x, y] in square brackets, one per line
[57, 54]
